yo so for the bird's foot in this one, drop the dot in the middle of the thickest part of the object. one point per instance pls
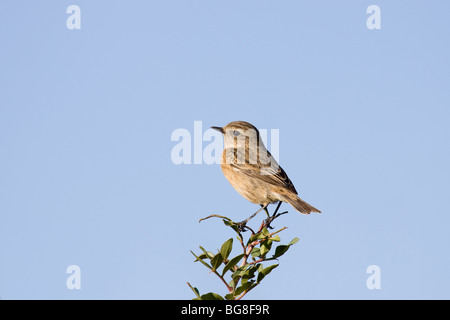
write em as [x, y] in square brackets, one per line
[242, 226]
[269, 220]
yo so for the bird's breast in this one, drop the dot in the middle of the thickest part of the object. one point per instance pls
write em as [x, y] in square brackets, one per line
[252, 189]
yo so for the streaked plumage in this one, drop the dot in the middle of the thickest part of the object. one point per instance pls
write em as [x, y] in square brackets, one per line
[252, 170]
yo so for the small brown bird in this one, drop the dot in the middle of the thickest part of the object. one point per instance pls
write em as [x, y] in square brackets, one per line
[253, 172]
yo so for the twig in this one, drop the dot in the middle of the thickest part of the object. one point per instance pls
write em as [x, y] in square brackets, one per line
[247, 250]
[230, 289]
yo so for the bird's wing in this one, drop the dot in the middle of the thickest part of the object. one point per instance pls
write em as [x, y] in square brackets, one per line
[269, 171]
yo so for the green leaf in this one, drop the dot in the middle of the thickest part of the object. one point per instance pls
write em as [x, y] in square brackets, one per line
[253, 238]
[266, 245]
[242, 288]
[233, 262]
[201, 260]
[280, 250]
[231, 283]
[228, 223]
[208, 254]
[226, 248]
[233, 226]
[263, 250]
[276, 238]
[216, 261]
[255, 252]
[197, 293]
[211, 296]
[264, 233]
[264, 272]
[250, 273]
[202, 256]
[229, 296]
[239, 272]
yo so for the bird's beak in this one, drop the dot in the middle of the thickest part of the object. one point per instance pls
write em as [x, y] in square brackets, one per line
[220, 129]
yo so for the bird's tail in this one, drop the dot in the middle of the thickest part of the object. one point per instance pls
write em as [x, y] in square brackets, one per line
[299, 205]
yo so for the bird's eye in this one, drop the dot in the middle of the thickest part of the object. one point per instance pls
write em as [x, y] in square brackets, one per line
[236, 133]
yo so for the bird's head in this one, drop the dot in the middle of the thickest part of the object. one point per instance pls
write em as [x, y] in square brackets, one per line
[236, 134]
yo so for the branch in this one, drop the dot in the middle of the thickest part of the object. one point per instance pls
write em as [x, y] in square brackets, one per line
[230, 289]
[245, 275]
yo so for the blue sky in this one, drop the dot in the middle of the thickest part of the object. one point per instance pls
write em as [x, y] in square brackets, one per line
[86, 118]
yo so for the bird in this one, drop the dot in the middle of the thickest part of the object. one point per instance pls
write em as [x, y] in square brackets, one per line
[254, 173]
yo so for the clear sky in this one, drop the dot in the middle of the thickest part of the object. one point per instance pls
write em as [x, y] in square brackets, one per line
[86, 118]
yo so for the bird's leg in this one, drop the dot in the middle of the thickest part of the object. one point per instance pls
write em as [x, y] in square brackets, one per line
[243, 223]
[269, 218]
[275, 215]
[278, 207]
[267, 212]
